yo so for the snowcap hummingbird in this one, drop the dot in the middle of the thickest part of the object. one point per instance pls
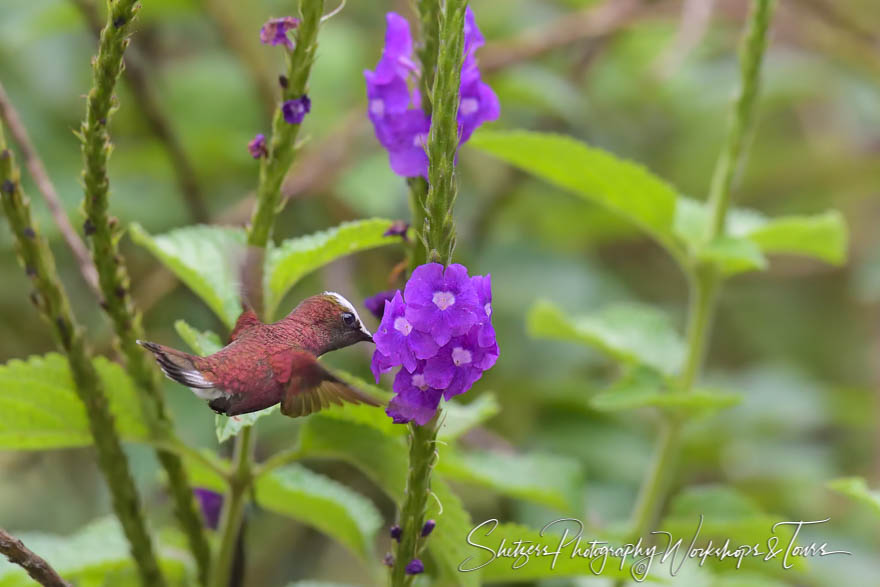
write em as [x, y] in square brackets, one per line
[264, 364]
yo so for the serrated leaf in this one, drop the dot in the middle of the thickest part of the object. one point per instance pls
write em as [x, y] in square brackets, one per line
[591, 173]
[488, 537]
[734, 255]
[384, 459]
[631, 333]
[42, 410]
[96, 554]
[459, 418]
[292, 259]
[644, 388]
[546, 479]
[206, 258]
[857, 489]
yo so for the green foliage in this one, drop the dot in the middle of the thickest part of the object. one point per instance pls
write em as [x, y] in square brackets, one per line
[93, 556]
[459, 418]
[206, 258]
[523, 476]
[287, 263]
[642, 388]
[202, 343]
[631, 333]
[734, 255]
[42, 410]
[857, 489]
[593, 174]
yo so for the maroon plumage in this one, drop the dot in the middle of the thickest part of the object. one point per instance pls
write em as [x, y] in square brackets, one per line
[265, 364]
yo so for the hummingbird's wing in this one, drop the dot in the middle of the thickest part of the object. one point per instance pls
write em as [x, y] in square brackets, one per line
[312, 387]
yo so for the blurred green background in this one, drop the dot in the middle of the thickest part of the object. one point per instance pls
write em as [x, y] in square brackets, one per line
[649, 81]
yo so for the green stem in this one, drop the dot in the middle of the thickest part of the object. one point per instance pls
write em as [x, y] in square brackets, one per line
[418, 189]
[282, 145]
[51, 299]
[418, 489]
[103, 234]
[705, 280]
[233, 507]
[278, 460]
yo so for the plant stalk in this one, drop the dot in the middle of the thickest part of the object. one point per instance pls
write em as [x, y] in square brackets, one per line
[51, 300]
[233, 507]
[705, 279]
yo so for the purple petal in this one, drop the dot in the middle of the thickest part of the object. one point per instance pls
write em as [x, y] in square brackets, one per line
[415, 567]
[274, 32]
[376, 303]
[211, 503]
[294, 111]
[412, 402]
[257, 147]
[381, 364]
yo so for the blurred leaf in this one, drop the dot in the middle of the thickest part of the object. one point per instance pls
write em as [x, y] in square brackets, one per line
[42, 410]
[642, 388]
[384, 460]
[551, 480]
[206, 258]
[361, 413]
[596, 175]
[515, 569]
[631, 333]
[734, 255]
[459, 418]
[97, 554]
[202, 343]
[292, 259]
[857, 489]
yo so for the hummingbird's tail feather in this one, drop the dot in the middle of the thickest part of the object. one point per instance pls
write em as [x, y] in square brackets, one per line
[177, 365]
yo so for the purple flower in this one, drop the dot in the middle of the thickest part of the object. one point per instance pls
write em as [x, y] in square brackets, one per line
[376, 303]
[415, 567]
[211, 503]
[483, 286]
[443, 303]
[274, 32]
[397, 228]
[459, 364]
[398, 341]
[394, 102]
[257, 147]
[396, 532]
[295, 111]
[414, 400]
[428, 527]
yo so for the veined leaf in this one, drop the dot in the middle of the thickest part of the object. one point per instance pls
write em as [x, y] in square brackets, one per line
[459, 418]
[206, 258]
[42, 410]
[95, 555]
[642, 388]
[384, 460]
[734, 255]
[631, 333]
[857, 489]
[593, 174]
[550, 480]
[292, 259]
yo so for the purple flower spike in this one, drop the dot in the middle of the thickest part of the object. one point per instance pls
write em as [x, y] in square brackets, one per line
[428, 527]
[211, 503]
[274, 32]
[415, 401]
[396, 339]
[257, 147]
[443, 303]
[396, 532]
[376, 303]
[415, 567]
[295, 111]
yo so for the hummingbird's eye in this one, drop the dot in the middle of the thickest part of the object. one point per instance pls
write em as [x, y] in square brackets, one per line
[348, 319]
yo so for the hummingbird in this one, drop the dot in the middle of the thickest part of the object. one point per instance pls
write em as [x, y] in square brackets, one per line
[264, 364]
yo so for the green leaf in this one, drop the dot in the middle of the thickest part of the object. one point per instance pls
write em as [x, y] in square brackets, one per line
[643, 388]
[292, 259]
[633, 334]
[546, 479]
[202, 342]
[857, 488]
[41, 409]
[734, 255]
[95, 555]
[593, 174]
[206, 258]
[228, 427]
[511, 569]
[384, 460]
[459, 418]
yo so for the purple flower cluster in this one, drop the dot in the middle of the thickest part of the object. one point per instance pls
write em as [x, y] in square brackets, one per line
[394, 101]
[294, 111]
[440, 332]
[274, 32]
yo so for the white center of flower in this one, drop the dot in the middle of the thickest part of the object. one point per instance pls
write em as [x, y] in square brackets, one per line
[443, 299]
[402, 325]
[488, 309]
[418, 380]
[377, 107]
[461, 356]
[469, 106]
